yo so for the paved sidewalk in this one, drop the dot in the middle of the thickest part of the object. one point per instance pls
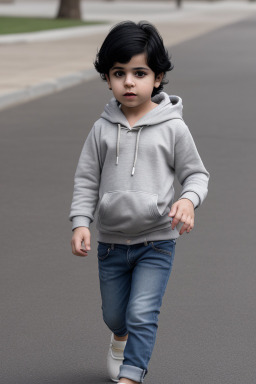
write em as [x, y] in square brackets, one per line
[40, 63]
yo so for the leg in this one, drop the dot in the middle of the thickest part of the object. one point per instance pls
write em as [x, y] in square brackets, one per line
[128, 381]
[115, 280]
[152, 267]
[123, 338]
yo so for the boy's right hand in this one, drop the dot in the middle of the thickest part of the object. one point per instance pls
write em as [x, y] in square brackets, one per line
[81, 235]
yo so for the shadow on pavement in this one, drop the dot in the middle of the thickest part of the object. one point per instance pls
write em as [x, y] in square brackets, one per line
[85, 377]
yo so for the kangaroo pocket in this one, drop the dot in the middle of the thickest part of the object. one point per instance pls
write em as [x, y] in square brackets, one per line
[129, 212]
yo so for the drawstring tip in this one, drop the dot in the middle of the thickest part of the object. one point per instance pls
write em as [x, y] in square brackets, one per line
[117, 160]
[133, 170]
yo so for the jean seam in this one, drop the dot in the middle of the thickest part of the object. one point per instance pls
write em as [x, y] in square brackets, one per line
[127, 258]
[105, 256]
[160, 250]
[150, 349]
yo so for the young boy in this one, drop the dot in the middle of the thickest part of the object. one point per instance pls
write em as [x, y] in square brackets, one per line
[127, 165]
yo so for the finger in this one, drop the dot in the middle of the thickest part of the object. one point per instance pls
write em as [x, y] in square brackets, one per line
[184, 218]
[87, 244]
[191, 225]
[184, 228]
[173, 210]
[73, 246]
[79, 250]
[176, 219]
[187, 224]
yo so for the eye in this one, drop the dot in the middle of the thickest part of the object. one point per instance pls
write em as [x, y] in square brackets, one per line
[140, 74]
[118, 73]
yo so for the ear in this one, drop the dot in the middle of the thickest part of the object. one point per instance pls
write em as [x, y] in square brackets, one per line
[108, 81]
[158, 79]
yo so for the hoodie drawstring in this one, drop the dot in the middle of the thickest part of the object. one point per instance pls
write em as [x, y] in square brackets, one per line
[136, 150]
[117, 143]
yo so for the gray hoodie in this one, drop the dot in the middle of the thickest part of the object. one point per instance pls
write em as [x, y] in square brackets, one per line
[128, 173]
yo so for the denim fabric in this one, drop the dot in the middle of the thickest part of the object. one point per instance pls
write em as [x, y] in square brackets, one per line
[133, 279]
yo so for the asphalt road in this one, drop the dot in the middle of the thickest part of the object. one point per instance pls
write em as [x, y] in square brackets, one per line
[52, 330]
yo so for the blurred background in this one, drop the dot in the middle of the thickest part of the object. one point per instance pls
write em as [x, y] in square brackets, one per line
[46, 45]
[51, 330]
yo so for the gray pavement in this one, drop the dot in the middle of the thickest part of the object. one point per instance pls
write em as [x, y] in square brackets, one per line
[41, 63]
[51, 329]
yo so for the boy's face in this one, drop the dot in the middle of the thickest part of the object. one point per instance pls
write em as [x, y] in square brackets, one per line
[132, 83]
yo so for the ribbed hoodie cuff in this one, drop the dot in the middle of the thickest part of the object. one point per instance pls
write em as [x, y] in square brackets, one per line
[192, 196]
[80, 221]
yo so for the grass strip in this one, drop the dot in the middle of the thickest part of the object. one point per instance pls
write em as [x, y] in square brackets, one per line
[11, 25]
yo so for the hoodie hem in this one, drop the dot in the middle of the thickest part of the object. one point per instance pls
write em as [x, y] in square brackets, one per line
[164, 234]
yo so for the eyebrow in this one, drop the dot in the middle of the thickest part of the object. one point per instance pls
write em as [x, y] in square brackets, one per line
[135, 68]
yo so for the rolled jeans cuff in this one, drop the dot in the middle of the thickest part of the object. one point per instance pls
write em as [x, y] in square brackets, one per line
[132, 373]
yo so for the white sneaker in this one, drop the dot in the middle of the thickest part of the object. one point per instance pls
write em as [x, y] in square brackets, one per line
[115, 357]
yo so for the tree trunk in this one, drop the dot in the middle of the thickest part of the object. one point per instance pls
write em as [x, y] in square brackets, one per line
[69, 9]
[178, 3]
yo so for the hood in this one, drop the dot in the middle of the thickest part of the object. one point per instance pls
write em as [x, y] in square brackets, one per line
[168, 108]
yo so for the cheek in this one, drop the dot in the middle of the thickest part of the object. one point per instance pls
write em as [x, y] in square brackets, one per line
[149, 85]
[151, 81]
[117, 86]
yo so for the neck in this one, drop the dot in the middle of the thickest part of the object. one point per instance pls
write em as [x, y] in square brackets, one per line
[133, 114]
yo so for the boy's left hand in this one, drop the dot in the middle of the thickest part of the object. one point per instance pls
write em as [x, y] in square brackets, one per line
[183, 211]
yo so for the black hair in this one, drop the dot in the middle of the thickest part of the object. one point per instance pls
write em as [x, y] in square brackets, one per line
[127, 39]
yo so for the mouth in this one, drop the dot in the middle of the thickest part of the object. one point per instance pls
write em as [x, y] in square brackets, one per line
[129, 94]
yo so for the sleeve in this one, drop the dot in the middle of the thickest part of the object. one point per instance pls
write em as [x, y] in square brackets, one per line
[190, 170]
[86, 184]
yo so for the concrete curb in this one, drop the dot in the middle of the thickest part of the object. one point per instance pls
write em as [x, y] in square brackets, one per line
[45, 88]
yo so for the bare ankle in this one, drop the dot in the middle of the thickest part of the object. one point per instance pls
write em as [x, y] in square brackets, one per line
[122, 338]
[127, 381]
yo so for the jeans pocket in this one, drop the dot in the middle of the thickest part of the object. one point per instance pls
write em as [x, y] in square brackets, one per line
[103, 250]
[164, 246]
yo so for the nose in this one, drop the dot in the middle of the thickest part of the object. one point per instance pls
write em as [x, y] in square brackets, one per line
[129, 81]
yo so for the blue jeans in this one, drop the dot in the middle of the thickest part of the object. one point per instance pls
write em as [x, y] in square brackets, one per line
[133, 279]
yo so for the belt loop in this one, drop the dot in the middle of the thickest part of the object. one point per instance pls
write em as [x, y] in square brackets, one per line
[145, 243]
[112, 246]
